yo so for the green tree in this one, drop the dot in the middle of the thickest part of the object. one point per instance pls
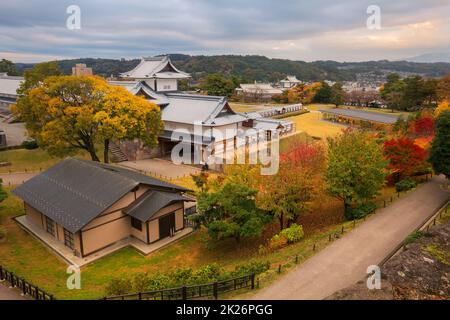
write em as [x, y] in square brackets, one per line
[8, 66]
[356, 168]
[337, 94]
[324, 94]
[68, 113]
[440, 147]
[231, 212]
[34, 77]
[218, 85]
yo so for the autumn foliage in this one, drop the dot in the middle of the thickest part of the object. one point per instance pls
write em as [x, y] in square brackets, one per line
[424, 126]
[405, 157]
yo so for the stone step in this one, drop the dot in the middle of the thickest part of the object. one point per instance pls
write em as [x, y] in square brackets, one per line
[116, 154]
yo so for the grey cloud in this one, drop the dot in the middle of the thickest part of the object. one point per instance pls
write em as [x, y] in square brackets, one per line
[132, 28]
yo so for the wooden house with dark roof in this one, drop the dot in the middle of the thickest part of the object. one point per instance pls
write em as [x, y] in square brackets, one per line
[89, 206]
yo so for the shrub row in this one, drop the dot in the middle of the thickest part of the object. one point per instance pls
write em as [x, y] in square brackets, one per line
[286, 236]
[360, 210]
[405, 185]
[142, 282]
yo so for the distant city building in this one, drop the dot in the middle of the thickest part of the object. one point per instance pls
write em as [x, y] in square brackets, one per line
[81, 69]
[258, 91]
[289, 82]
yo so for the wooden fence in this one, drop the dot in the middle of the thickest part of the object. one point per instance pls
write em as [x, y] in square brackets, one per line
[25, 287]
[192, 292]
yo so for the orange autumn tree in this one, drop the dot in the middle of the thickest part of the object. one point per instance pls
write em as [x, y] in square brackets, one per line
[405, 157]
[68, 113]
[289, 193]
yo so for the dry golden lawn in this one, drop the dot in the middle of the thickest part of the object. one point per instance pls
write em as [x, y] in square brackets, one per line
[312, 124]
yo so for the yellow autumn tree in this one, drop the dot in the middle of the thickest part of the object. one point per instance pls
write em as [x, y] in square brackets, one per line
[68, 113]
[443, 106]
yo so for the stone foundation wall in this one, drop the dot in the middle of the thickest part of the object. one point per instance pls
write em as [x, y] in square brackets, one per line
[135, 150]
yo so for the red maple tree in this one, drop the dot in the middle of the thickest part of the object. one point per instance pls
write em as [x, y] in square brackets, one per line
[405, 157]
[423, 126]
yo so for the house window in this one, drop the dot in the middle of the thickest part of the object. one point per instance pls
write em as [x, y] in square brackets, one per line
[137, 224]
[68, 239]
[268, 135]
[50, 226]
[166, 87]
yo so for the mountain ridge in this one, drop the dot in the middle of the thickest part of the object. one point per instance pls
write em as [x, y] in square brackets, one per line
[261, 68]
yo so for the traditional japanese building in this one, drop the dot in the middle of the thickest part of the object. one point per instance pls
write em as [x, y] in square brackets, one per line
[289, 82]
[157, 80]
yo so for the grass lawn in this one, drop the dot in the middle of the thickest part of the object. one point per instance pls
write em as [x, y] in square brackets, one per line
[29, 160]
[312, 124]
[30, 259]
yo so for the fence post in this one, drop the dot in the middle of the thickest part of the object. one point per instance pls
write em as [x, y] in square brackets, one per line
[140, 296]
[184, 293]
[253, 281]
[23, 287]
[329, 237]
[342, 231]
[279, 268]
[215, 287]
[296, 259]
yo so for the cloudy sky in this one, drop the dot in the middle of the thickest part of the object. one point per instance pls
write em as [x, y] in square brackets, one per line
[35, 30]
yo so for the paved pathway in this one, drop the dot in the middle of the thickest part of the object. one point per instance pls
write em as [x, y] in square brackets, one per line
[15, 179]
[160, 167]
[9, 294]
[345, 261]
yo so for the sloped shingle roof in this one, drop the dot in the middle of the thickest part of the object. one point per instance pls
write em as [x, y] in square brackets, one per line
[74, 192]
[151, 202]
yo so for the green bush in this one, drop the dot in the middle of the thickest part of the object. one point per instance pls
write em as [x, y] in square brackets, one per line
[142, 282]
[360, 210]
[255, 267]
[414, 236]
[293, 234]
[30, 144]
[405, 185]
[119, 286]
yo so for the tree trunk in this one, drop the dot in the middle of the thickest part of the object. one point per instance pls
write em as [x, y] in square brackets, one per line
[106, 151]
[91, 151]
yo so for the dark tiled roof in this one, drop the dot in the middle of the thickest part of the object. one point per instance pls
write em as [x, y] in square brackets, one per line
[151, 202]
[364, 115]
[74, 192]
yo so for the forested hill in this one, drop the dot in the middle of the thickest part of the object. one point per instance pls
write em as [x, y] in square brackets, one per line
[262, 68]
